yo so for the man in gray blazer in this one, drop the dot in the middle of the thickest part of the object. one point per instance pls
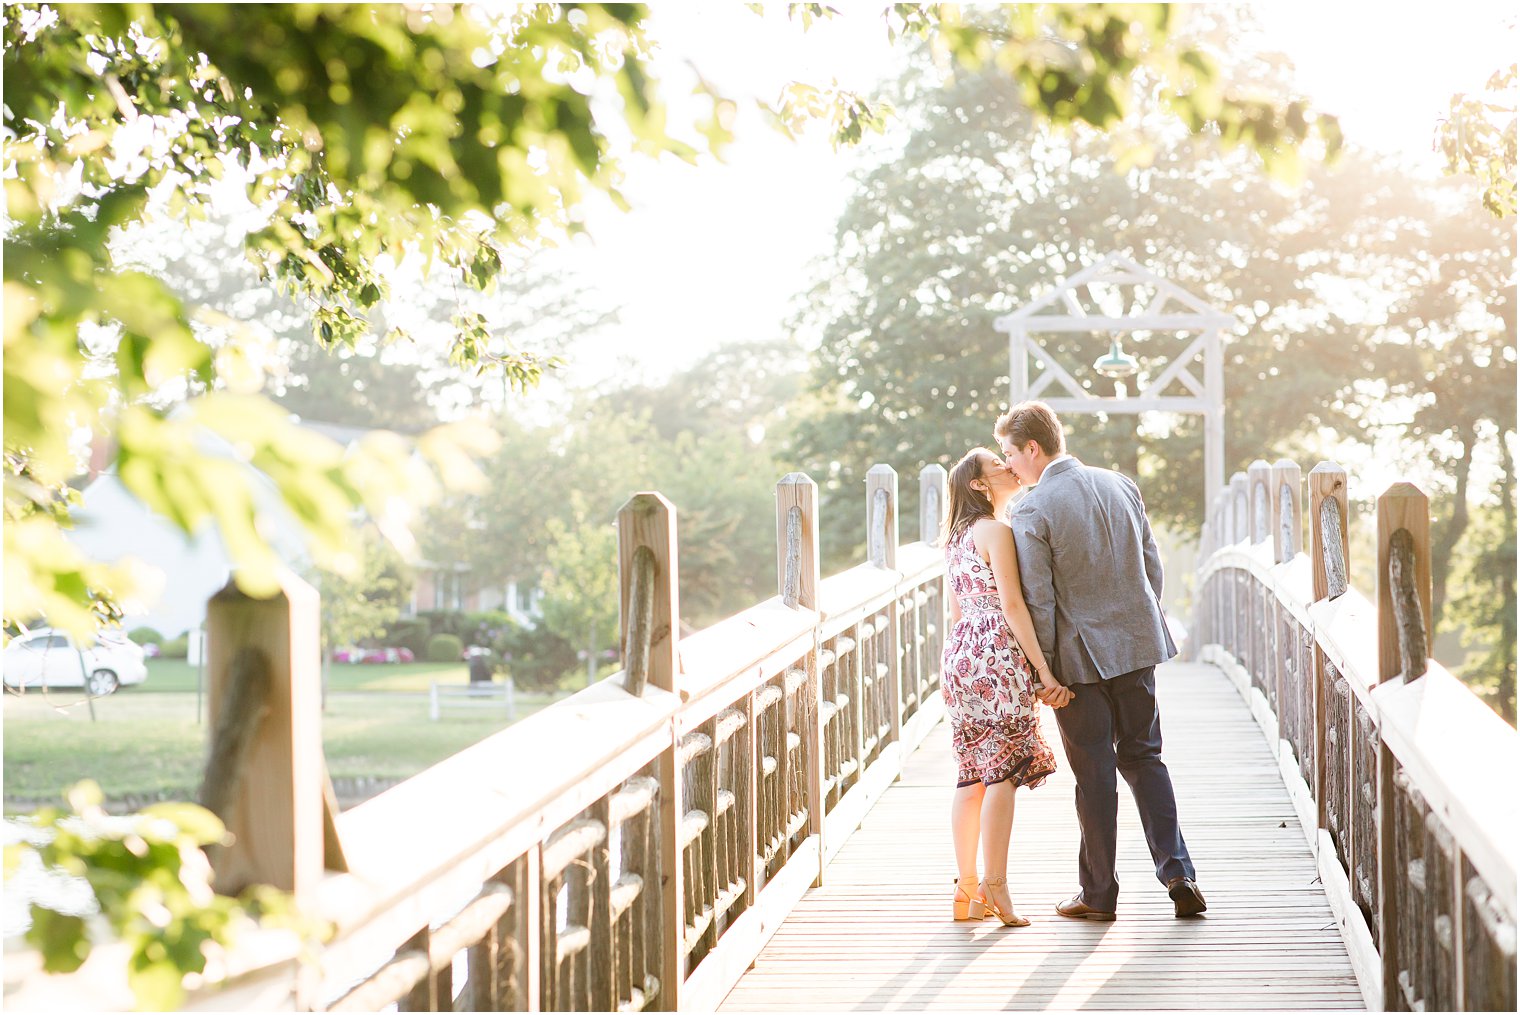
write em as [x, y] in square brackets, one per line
[1092, 578]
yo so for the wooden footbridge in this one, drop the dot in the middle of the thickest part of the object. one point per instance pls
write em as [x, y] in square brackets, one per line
[755, 816]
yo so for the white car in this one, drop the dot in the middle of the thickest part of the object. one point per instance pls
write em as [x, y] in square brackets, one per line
[48, 658]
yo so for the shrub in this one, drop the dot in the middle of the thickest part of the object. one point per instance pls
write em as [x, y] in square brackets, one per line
[444, 648]
[411, 633]
[535, 657]
[486, 627]
[444, 621]
[175, 648]
[145, 636]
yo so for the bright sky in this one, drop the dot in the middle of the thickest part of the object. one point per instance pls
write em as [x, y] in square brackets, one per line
[720, 252]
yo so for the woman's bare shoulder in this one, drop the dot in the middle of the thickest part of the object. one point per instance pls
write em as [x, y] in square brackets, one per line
[989, 526]
[987, 532]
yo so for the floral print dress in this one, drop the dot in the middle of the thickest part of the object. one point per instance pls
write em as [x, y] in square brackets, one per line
[988, 684]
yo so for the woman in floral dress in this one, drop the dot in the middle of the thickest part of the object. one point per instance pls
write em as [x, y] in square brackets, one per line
[991, 664]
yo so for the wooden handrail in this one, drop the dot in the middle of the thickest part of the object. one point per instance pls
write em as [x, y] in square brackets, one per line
[1391, 756]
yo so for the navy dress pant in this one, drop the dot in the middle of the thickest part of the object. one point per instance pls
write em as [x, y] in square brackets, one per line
[1114, 727]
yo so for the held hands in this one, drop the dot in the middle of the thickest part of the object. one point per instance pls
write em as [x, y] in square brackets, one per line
[1052, 693]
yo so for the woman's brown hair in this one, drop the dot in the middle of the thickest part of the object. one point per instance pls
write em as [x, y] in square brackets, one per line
[967, 504]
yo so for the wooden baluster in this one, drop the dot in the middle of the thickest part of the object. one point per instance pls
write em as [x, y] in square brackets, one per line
[881, 516]
[266, 776]
[1295, 696]
[483, 969]
[1213, 610]
[753, 810]
[1259, 478]
[881, 543]
[1404, 888]
[648, 523]
[1443, 864]
[932, 485]
[1262, 652]
[646, 528]
[797, 556]
[513, 983]
[600, 957]
[1404, 630]
[1403, 603]
[535, 930]
[424, 995]
[1329, 555]
[1220, 524]
[1240, 527]
[1287, 500]
[1329, 530]
[1488, 947]
[797, 567]
[1240, 508]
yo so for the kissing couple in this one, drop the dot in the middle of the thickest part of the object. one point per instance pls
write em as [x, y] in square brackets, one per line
[1059, 604]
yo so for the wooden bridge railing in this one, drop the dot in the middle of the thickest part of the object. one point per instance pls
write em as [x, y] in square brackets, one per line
[1403, 778]
[631, 847]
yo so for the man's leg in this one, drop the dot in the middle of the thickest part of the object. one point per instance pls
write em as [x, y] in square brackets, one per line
[1087, 730]
[1137, 737]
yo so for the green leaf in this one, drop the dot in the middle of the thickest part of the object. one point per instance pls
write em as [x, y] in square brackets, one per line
[200, 825]
[61, 938]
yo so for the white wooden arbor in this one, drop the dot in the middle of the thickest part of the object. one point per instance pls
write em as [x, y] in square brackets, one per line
[1102, 308]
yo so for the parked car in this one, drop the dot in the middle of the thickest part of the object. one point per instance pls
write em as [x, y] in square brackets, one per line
[48, 658]
[373, 655]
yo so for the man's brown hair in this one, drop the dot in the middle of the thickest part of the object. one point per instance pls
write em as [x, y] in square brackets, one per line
[1032, 421]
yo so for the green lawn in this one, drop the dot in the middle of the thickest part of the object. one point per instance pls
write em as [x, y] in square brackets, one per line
[178, 675]
[145, 742]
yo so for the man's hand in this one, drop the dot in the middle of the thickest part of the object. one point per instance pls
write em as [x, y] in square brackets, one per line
[1055, 697]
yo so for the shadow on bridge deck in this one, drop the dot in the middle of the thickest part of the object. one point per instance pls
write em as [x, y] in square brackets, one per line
[878, 935]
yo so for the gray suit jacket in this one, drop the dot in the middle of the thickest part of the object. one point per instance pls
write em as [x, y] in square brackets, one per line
[1091, 574]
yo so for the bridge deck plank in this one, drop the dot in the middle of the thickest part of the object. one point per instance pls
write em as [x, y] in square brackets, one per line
[877, 934]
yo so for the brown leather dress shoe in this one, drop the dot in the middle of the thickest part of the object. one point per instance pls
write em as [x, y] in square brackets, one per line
[1187, 900]
[1076, 909]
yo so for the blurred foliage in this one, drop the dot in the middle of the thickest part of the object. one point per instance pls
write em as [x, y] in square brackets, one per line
[1485, 601]
[1478, 139]
[1083, 66]
[363, 133]
[151, 886]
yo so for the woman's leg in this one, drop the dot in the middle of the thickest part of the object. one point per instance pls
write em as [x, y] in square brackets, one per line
[997, 827]
[966, 828]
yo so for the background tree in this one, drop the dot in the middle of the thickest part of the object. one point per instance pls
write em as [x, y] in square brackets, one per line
[1456, 312]
[1374, 305]
[1484, 603]
[354, 611]
[978, 210]
[580, 589]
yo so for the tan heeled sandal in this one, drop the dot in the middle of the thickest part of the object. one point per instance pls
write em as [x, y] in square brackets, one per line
[967, 906]
[1009, 919]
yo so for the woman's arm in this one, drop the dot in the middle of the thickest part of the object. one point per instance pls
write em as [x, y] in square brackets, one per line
[1002, 556]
